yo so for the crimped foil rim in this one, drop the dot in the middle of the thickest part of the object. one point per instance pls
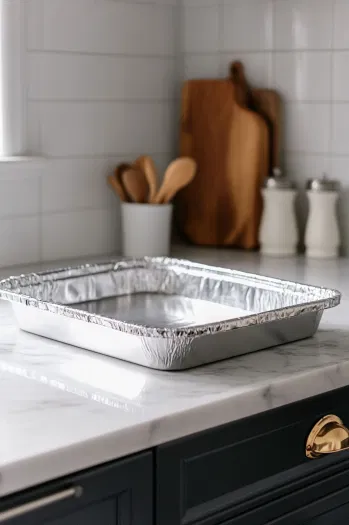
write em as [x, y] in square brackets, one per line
[333, 297]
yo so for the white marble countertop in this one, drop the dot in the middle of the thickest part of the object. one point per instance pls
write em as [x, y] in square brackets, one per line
[63, 409]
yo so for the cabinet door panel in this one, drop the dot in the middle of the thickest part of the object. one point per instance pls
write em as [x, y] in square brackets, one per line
[117, 493]
[339, 516]
[223, 472]
[330, 510]
[105, 513]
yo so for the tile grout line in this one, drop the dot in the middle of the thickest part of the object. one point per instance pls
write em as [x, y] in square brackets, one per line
[220, 7]
[119, 156]
[119, 100]
[261, 51]
[271, 62]
[96, 156]
[160, 101]
[72, 52]
[41, 226]
[332, 104]
[40, 218]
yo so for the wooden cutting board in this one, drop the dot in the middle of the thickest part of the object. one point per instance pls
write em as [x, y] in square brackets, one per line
[265, 102]
[248, 170]
[207, 108]
[222, 206]
[268, 103]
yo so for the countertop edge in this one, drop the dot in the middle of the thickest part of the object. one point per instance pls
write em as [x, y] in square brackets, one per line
[33, 471]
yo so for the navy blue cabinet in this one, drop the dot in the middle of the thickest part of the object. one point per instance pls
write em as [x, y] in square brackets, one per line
[339, 516]
[119, 493]
[250, 472]
[254, 471]
[331, 510]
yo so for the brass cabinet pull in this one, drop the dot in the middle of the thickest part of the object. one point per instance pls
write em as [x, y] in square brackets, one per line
[21, 510]
[329, 435]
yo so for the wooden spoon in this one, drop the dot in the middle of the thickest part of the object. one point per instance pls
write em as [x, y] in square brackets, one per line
[139, 163]
[178, 175]
[151, 176]
[115, 181]
[146, 164]
[117, 187]
[135, 185]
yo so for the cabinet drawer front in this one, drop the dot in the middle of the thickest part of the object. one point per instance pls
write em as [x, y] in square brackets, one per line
[105, 513]
[208, 474]
[333, 506]
[330, 510]
[338, 516]
[120, 493]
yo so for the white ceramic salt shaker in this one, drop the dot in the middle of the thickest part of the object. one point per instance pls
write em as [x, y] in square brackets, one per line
[322, 238]
[278, 232]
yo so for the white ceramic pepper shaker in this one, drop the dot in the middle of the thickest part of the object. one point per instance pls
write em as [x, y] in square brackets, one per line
[278, 233]
[322, 238]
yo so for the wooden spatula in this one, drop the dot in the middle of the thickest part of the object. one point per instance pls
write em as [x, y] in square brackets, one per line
[146, 164]
[151, 176]
[135, 184]
[178, 175]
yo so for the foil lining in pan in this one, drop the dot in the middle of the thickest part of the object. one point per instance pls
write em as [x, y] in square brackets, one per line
[165, 313]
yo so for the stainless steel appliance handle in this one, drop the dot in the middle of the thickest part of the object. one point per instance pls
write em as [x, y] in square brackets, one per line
[21, 510]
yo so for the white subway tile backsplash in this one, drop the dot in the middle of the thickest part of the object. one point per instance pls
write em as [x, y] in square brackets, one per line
[19, 196]
[20, 191]
[303, 24]
[201, 66]
[104, 128]
[303, 75]
[72, 184]
[83, 77]
[303, 166]
[341, 76]
[78, 233]
[150, 128]
[109, 27]
[340, 171]
[341, 17]
[102, 79]
[162, 161]
[35, 23]
[200, 3]
[340, 142]
[247, 25]
[158, 2]
[19, 240]
[200, 29]
[308, 127]
[33, 129]
[101, 82]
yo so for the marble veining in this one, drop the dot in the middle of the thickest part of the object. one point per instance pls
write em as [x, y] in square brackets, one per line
[64, 409]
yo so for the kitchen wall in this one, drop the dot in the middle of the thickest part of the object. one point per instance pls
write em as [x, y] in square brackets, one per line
[100, 78]
[102, 81]
[301, 48]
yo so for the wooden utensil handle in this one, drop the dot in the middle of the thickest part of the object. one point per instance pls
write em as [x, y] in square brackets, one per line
[117, 188]
[242, 90]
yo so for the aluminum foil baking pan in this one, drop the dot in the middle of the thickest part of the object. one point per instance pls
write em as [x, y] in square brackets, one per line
[165, 313]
